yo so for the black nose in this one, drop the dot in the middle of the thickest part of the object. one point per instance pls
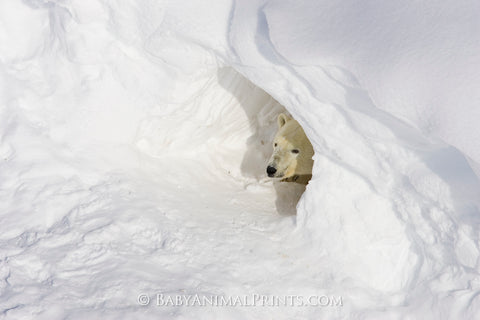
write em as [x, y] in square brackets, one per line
[271, 171]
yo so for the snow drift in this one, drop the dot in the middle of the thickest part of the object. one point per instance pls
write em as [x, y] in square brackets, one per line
[134, 137]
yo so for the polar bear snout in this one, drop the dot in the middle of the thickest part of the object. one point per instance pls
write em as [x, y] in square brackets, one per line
[271, 171]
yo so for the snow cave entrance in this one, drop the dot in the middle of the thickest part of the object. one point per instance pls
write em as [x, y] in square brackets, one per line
[260, 113]
[224, 124]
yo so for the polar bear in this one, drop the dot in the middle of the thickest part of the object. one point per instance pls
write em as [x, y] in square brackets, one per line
[292, 152]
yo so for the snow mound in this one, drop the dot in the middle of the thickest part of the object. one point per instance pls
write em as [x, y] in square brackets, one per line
[134, 137]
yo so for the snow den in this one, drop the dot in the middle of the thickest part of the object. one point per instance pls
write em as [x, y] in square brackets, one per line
[134, 137]
[228, 124]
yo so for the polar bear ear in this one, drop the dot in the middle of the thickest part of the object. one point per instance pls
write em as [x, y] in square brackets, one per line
[281, 120]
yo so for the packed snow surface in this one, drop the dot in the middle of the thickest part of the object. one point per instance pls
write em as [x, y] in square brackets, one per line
[134, 136]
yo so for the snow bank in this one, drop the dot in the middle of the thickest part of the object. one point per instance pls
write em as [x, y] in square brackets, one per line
[134, 137]
[334, 67]
[416, 61]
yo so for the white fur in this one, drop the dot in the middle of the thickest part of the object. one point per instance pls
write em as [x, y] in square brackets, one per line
[290, 137]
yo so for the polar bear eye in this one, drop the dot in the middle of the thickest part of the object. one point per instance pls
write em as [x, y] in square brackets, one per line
[295, 151]
[275, 145]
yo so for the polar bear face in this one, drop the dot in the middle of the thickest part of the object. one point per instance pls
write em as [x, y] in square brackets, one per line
[292, 151]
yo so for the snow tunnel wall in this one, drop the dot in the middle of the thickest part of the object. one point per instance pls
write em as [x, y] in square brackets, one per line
[220, 114]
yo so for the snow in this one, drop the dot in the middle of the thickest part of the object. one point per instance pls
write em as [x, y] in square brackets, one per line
[134, 137]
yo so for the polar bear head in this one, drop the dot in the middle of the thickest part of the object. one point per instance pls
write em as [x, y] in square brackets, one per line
[292, 151]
